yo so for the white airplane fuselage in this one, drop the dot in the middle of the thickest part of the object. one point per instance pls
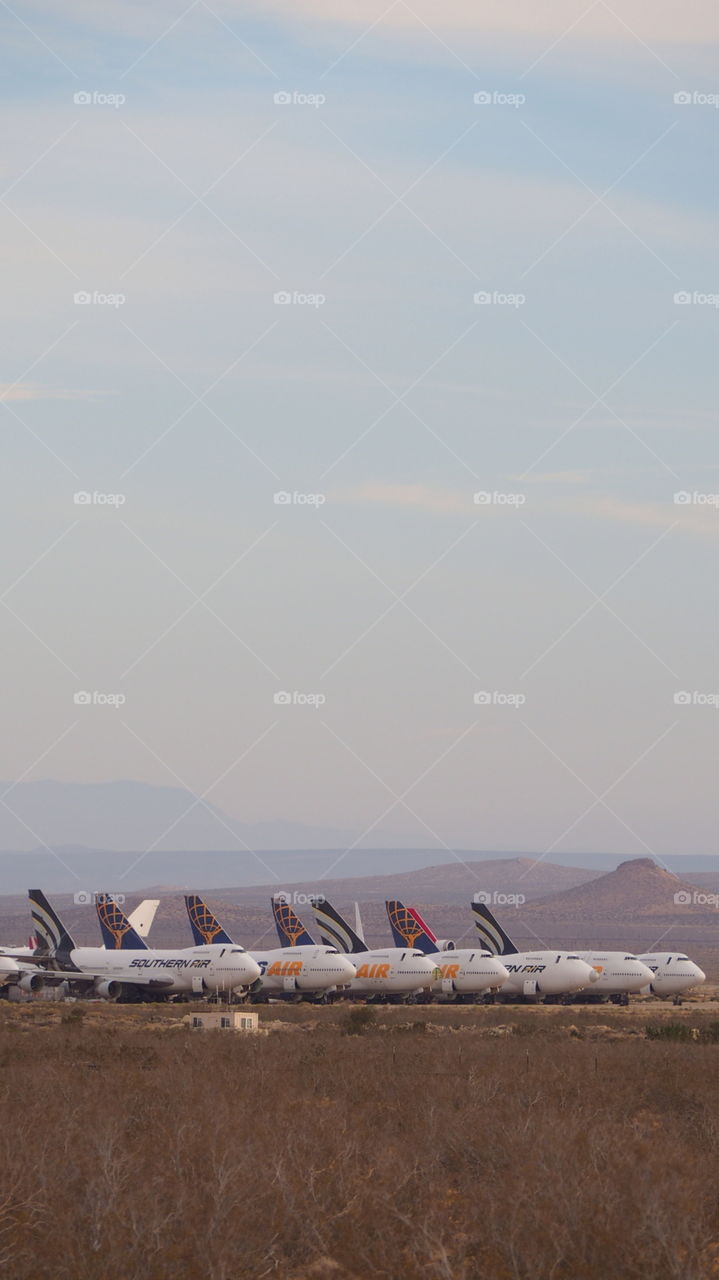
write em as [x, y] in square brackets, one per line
[466, 972]
[213, 968]
[619, 973]
[672, 974]
[546, 973]
[303, 968]
[391, 971]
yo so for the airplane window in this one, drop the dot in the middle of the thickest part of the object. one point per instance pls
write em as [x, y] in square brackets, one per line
[630, 957]
[683, 958]
[669, 959]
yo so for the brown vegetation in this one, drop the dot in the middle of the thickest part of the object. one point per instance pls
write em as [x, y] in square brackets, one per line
[452, 1145]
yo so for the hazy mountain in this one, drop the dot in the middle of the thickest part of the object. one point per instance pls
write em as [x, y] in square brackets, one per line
[135, 816]
[636, 889]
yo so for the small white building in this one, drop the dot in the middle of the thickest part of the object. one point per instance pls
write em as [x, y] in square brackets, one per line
[226, 1020]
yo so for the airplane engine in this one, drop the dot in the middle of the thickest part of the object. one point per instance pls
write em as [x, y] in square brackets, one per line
[31, 982]
[108, 990]
[445, 944]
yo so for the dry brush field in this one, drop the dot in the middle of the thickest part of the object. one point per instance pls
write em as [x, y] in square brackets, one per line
[447, 1144]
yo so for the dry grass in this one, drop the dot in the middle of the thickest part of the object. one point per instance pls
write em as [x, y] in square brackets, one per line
[450, 1144]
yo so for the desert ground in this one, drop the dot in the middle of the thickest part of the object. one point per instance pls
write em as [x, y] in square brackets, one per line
[339, 1143]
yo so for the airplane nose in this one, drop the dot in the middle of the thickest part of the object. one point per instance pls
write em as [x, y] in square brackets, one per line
[347, 969]
[594, 976]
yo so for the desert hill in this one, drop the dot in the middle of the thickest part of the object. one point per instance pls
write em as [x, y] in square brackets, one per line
[637, 888]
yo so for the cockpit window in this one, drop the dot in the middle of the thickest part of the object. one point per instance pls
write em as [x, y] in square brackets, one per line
[630, 957]
[686, 958]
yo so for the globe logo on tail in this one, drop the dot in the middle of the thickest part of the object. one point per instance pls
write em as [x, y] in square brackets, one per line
[402, 920]
[203, 920]
[287, 921]
[113, 920]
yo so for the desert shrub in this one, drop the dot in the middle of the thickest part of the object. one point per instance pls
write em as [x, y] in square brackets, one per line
[361, 1018]
[73, 1017]
[669, 1031]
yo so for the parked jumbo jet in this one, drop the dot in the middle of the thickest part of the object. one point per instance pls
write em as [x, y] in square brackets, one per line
[141, 920]
[390, 972]
[621, 974]
[126, 966]
[313, 970]
[532, 973]
[673, 974]
[462, 974]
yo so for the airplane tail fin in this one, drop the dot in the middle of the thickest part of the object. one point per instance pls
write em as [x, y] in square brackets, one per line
[359, 930]
[206, 928]
[290, 929]
[51, 934]
[117, 932]
[493, 937]
[334, 929]
[142, 917]
[408, 928]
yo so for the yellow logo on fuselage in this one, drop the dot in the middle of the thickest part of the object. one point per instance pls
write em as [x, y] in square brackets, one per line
[285, 969]
[373, 971]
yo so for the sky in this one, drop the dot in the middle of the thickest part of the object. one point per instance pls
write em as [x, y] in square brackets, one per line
[359, 392]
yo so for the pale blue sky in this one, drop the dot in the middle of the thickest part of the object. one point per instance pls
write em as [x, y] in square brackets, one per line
[301, 398]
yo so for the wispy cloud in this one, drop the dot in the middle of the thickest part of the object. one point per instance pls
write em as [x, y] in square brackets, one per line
[696, 517]
[31, 391]
[418, 496]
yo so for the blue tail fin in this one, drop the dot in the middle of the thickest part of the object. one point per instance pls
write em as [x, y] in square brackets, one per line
[206, 928]
[290, 929]
[117, 932]
[407, 929]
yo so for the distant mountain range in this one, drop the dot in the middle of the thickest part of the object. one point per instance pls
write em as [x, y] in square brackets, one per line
[135, 816]
[115, 836]
[636, 906]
